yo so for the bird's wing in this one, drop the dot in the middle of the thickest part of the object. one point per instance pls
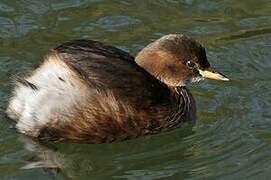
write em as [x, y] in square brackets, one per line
[107, 68]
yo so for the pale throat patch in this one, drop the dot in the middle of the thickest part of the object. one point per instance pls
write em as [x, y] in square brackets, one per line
[196, 79]
[192, 80]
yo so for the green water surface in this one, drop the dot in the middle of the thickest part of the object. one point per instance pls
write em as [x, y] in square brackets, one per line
[232, 136]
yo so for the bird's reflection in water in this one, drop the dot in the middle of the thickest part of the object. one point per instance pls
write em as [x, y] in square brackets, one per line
[55, 158]
[43, 155]
[104, 160]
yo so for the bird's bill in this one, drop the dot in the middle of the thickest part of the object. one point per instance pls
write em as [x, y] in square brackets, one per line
[211, 74]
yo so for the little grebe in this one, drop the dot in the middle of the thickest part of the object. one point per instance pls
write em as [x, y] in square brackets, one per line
[86, 91]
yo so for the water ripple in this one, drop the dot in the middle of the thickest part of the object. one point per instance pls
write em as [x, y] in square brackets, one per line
[112, 23]
[5, 8]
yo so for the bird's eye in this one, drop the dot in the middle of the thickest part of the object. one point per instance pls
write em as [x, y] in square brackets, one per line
[190, 64]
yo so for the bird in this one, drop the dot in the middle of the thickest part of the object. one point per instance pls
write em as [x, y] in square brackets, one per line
[86, 91]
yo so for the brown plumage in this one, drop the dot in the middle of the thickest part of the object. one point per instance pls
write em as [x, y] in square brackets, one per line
[103, 94]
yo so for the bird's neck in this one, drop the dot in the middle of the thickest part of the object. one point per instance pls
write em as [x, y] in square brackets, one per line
[184, 107]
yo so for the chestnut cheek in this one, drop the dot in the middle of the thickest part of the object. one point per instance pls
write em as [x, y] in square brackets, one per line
[172, 69]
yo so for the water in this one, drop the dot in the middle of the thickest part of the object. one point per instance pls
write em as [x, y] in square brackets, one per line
[232, 137]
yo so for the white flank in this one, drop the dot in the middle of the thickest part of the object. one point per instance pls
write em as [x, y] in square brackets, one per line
[59, 90]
